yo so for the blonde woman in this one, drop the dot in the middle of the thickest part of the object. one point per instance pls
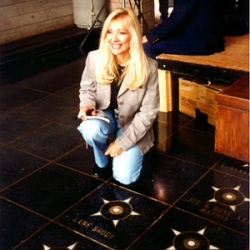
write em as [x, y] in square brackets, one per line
[120, 83]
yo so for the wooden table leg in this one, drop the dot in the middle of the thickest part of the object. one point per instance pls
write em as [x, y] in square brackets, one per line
[165, 88]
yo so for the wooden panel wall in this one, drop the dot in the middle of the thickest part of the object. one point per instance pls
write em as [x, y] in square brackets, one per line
[147, 8]
[24, 18]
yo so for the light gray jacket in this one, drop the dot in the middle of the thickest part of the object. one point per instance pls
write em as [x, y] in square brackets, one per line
[137, 108]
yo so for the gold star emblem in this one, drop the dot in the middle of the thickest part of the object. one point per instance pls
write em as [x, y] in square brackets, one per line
[191, 240]
[231, 197]
[116, 210]
[72, 247]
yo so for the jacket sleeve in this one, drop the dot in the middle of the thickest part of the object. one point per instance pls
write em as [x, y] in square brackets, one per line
[141, 120]
[88, 84]
[182, 9]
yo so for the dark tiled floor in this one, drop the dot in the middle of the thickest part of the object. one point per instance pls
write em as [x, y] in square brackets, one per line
[187, 197]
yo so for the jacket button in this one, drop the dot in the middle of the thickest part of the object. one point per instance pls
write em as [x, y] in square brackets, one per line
[121, 103]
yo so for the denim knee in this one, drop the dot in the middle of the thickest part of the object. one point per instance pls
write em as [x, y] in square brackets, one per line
[126, 180]
[126, 175]
[92, 130]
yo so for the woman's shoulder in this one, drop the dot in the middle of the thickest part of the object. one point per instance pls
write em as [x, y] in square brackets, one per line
[152, 63]
[93, 53]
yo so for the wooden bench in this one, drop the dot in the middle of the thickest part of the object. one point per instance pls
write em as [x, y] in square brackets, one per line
[227, 66]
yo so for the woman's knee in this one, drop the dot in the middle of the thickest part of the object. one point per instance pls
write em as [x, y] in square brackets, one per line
[92, 129]
[127, 167]
[126, 174]
[124, 178]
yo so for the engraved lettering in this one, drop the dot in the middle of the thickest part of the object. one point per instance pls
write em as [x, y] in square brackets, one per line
[206, 206]
[82, 222]
[221, 210]
[240, 171]
[219, 216]
[203, 210]
[243, 219]
[103, 232]
[216, 212]
[194, 201]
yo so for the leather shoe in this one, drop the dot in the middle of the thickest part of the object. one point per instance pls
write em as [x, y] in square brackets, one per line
[97, 171]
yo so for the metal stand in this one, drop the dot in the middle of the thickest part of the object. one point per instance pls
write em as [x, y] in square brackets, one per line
[140, 15]
[123, 3]
[93, 24]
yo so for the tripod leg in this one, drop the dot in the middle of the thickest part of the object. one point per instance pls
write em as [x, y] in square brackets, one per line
[93, 24]
[138, 3]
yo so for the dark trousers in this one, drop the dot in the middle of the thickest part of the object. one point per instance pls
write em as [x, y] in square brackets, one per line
[178, 45]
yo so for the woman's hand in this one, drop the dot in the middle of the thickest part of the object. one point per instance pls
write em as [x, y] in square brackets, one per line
[113, 150]
[87, 110]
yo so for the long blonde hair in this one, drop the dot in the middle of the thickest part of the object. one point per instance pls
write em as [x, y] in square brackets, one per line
[106, 70]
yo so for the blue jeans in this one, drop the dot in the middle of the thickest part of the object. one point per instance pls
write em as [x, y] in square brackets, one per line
[127, 166]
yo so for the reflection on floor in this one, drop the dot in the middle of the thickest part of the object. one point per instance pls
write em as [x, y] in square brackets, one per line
[187, 197]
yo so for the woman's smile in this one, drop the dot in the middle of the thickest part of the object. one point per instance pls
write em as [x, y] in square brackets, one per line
[119, 40]
[116, 46]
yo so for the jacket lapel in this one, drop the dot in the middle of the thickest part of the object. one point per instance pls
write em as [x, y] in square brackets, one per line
[123, 84]
[123, 88]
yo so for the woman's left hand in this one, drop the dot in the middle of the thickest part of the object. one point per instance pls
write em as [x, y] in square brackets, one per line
[113, 150]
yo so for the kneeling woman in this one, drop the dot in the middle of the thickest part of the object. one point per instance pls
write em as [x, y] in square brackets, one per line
[120, 83]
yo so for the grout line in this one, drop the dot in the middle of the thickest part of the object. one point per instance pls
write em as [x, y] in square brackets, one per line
[211, 221]
[83, 235]
[148, 228]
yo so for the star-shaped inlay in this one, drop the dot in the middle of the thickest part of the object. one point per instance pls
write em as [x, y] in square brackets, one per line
[72, 247]
[116, 210]
[231, 197]
[190, 240]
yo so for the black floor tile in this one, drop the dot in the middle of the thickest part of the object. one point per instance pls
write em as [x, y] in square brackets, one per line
[50, 141]
[175, 117]
[51, 190]
[57, 237]
[15, 165]
[224, 199]
[179, 230]
[82, 159]
[205, 127]
[52, 107]
[163, 130]
[71, 92]
[17, 224]
[233, 167]
[191, 145]
[12, 96]
[11, 125]
[70, 120]
[166, 179]
[113, 216]
[56, 79]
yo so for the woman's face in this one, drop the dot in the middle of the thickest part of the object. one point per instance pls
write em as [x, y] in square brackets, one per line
[119, 39]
